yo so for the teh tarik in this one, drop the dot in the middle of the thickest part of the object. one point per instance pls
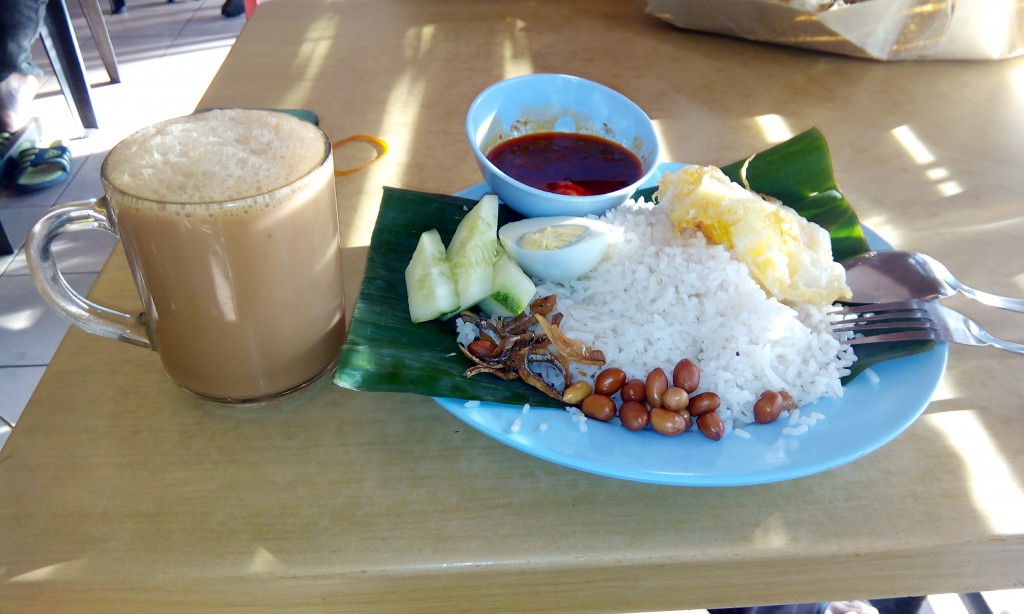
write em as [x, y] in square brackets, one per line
[229, 221]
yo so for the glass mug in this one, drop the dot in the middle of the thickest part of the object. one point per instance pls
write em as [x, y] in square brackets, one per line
[230, 225]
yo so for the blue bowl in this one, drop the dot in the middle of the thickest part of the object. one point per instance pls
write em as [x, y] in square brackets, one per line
[557, 103]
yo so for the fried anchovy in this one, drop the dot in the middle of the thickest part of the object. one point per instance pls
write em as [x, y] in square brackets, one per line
[504, 350]
[518, 350]
[522, 365]
[522, 322]
[573, 349]
[502, 373]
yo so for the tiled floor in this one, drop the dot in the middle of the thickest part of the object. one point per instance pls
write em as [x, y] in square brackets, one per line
[167, 54]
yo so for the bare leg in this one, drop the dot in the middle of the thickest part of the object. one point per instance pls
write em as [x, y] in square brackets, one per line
[20, 24]
[16, 94]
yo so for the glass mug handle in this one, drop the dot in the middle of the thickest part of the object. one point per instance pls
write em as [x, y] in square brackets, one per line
[69, 304]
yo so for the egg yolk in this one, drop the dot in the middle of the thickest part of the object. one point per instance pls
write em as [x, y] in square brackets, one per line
[553, 237]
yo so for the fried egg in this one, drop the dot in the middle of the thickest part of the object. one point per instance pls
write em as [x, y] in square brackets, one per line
[788, 255]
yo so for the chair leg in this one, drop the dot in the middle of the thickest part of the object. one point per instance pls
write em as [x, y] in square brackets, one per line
[100, 34]
[66, 57]
[6, 249]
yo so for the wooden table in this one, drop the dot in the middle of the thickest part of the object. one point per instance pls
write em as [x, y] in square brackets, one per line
[117, 492]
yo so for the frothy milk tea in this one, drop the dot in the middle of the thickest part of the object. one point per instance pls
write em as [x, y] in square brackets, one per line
[229, 219]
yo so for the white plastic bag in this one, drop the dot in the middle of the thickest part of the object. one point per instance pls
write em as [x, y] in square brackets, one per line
[876, 29]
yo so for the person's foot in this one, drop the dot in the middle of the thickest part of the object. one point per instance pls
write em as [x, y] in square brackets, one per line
[16, 94]
[232, 8]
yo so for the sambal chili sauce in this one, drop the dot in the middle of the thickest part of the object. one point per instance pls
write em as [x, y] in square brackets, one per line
[567, 163]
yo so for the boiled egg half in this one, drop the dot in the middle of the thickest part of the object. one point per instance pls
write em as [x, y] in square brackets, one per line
[559, 248]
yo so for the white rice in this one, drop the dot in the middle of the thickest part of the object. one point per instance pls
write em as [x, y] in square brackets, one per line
[466, 332]
[658, 297]
[578, 417]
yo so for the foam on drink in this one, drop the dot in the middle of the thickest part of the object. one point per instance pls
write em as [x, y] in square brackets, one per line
[214, 156]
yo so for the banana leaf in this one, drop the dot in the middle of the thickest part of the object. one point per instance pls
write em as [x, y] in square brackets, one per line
[386, 352]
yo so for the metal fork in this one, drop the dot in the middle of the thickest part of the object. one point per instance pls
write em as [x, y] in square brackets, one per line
[914, 320]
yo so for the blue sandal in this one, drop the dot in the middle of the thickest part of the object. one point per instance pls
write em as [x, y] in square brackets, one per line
[13, 143]
[38, 168]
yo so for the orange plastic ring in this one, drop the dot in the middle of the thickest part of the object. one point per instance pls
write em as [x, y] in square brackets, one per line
[378, 144]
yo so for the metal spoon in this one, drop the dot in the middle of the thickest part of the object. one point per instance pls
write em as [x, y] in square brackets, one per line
[880, 277]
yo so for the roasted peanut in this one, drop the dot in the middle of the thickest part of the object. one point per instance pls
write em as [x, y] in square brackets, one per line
[703, 403]
[634, 416]
[687, 417]
[668, 422]
[481, 347]
[788, 402]
[576, 393]
[675, 399]
[710, 424]
[656, 385]
[609, 381]
[598, 407]
[767, 407]
[633, 390]
[686, 375]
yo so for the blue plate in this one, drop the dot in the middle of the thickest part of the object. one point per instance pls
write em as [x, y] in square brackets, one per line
[871, 413]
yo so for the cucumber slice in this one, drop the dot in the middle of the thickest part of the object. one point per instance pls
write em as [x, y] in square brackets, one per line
[473, 250]
[513, 289]
[429, 281]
